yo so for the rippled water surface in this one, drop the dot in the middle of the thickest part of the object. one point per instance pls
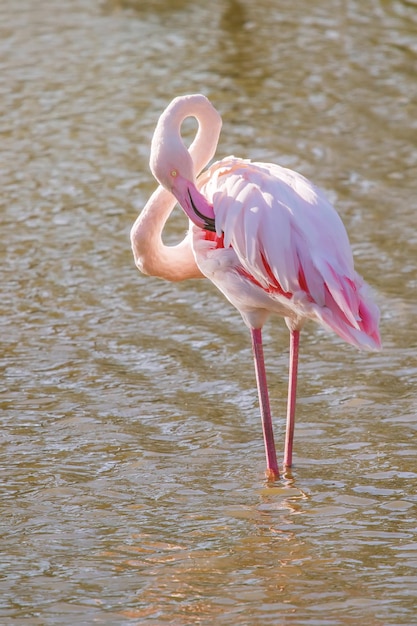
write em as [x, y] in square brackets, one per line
[132, 486]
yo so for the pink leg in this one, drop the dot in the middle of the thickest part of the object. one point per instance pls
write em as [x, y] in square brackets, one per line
[292, 393]
[272, 471]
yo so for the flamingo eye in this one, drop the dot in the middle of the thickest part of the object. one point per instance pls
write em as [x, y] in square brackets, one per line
[174, 173]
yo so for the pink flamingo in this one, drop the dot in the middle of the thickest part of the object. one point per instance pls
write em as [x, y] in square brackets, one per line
[264, 235]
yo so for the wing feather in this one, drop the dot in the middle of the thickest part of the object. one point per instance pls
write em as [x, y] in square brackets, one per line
[284, 232]
[280, 232]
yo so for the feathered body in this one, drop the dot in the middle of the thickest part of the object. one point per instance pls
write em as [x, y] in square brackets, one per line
[263, 234]
[280, 247]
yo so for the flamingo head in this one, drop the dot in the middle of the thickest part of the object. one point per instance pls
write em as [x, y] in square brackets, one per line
[173, 167]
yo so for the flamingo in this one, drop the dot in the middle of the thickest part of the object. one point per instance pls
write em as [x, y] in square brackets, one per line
[264, 235]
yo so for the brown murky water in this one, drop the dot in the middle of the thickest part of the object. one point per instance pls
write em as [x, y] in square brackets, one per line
[132, 486]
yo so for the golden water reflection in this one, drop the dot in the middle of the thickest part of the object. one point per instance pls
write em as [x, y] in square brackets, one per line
[132, 460]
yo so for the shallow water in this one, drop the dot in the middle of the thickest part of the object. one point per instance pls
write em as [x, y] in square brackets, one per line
[132, 485]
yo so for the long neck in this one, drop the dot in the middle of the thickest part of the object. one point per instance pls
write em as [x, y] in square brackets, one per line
[204, 146]
[151, 255]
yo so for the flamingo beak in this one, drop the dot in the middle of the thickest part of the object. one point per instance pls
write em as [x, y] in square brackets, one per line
[201, 207]
[194, 204]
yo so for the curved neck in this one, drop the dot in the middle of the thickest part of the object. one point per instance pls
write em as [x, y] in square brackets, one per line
[151, 255]
[204, 145]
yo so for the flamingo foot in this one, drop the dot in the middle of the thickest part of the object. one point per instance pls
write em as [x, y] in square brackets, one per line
[272, 475]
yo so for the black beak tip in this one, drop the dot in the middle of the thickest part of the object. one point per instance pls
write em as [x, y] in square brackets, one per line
[209, 222]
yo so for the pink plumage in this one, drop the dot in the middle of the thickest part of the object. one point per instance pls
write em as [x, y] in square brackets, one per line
[285, 250]
[264, 235]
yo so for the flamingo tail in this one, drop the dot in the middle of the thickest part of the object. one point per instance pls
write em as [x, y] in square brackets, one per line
[350, 312]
